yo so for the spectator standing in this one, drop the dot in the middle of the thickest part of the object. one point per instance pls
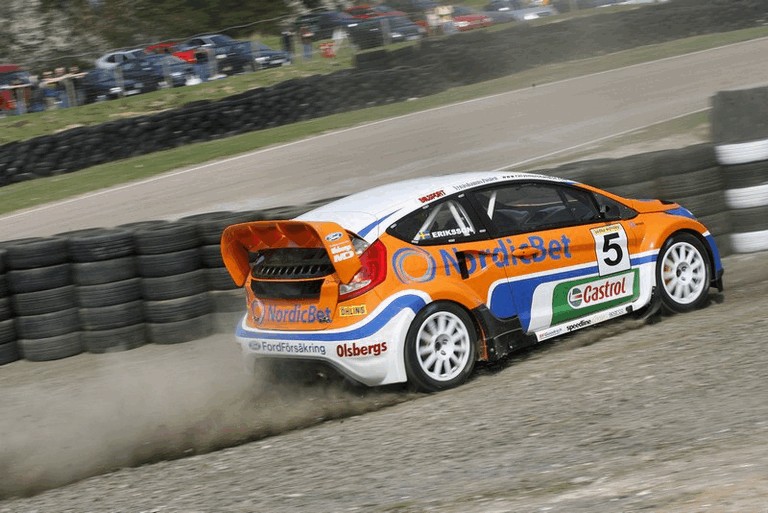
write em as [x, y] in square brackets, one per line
[307, 36]
[287, 39]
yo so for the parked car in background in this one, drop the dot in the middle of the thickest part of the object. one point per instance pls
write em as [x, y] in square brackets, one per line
[231, 56]
[385, 30]
[466, 18]
[172, 49]
[412, 6]
[267, 57]
[366, 11]
[323, 23]
[136, 76]
[165, 70]
[101, 84]
[112, 59]
[521, 13]
[12, 78]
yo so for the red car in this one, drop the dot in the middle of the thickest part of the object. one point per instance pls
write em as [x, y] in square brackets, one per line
[172, 48]
[367, 11]
[12, 78]
[465, 18]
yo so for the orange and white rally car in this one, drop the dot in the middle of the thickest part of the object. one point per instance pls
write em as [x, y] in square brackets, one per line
[417, 280]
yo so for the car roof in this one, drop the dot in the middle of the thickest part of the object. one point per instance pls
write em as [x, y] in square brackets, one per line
[368, 212]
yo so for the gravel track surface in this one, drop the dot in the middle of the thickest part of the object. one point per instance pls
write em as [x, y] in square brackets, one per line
[627, 416]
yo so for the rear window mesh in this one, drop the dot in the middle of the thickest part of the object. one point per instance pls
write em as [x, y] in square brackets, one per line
[291, 263]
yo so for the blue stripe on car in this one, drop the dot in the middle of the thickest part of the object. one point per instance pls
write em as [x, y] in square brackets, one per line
[503, 307]
[411, 301]
[681, 211]
[374, 224]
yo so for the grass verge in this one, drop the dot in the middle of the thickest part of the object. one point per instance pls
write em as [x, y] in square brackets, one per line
[36, 192]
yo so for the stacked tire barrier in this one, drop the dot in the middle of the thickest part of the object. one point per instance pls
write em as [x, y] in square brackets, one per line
[43, 298]
[164, 282]
[380, 77]
[8, 350]
[107, 289]
[740, 133]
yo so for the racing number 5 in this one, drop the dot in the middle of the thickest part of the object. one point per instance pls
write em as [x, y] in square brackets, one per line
[611, 249]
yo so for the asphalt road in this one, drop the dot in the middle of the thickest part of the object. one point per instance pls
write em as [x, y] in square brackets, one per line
[488, 133]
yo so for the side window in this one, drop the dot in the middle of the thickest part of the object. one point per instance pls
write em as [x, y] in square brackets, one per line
[613, 210]
[525, 207]
[438, 223]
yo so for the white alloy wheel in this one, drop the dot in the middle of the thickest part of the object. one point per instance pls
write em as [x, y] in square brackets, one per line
[684, 273]
[440, 347]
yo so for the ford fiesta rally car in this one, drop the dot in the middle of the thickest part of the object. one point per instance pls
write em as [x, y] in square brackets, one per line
[416, 281]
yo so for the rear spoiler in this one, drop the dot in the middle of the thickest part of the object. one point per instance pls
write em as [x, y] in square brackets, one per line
[238, 240]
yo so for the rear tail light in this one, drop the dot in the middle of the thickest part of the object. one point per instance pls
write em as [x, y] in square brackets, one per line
[373, 260]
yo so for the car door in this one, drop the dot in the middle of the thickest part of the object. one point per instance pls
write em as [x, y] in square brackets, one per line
[449, 251]
[564, 258]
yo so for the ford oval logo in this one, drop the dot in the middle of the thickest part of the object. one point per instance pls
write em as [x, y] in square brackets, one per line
[334, 236]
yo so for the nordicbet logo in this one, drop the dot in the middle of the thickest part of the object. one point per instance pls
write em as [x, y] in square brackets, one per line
[601, 291]
[292, 314]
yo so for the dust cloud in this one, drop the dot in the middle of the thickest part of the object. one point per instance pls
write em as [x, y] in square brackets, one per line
[93, 414]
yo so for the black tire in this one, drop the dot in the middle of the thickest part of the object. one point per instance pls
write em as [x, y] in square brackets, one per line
[753, 219]
[42, 278]
[690, 184]
[113, 340]
[210, 256]
[165, 238]
[94, 244]
[209, 225]
[218, 278]
[34, 252]
[706, 204]
[683, 273]
[9, 352]
[4, 292]
[422, 368]
[111, 317]
[47, 325]
[180, 331]
[104, 271]
[108, 294]
[174, 286]
[44, 301]
[7, 331]
[51, 348]
[167, 264]
[173, 310]
[228, 300]
[5, 309]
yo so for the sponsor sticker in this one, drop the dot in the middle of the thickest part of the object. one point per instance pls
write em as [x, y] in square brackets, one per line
[342, 252]
[291, 348]
[432, 196]
[289, 314]
[501, 254]
[573, 299]
[334, 236]
[353, 350]
[352, 310]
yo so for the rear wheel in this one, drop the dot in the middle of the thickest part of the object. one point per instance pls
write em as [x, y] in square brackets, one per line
[683, 273]
[440, 347]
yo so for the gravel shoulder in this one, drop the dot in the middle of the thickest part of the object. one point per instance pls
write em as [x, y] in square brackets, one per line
[626, 417]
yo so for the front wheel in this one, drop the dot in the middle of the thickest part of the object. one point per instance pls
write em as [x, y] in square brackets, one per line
[683, 273]
[440, 347]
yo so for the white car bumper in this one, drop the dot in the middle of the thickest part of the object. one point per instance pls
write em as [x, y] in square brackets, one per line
[370, 351]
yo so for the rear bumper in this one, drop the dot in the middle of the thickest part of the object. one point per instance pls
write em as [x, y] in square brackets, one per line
[370, 352]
